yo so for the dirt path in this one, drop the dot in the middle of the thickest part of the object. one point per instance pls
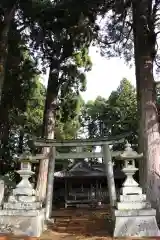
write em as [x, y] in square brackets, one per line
[80, 224]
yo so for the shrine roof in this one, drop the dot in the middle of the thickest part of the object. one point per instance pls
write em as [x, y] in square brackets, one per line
[85, 169]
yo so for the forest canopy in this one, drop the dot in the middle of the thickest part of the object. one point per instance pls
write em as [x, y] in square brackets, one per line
[57, 35]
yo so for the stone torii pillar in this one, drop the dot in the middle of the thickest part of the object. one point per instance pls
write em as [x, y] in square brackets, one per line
[50, 182]
[110, 174]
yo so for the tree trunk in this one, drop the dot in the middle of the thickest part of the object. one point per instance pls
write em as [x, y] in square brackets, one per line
[8, 16]
[4, 162]
[149, 137]
[48, 130]
[4, 131]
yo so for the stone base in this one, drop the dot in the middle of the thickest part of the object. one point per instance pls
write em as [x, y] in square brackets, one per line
[133, 198]
[21, 199]
[22, 223]
[133, 205]
[131, 190]
[136, 223]
[22, 205]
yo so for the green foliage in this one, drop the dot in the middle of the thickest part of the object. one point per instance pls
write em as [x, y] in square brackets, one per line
[8, 181]
[22, 125]
[60, 38]
[124, 106]
[114, 116]
[82, 59]
[122, 21]
[35, 108]
[58, 34]
[22, 100]
[68, 117]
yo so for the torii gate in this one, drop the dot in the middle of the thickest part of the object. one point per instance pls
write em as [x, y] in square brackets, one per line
[105, 153]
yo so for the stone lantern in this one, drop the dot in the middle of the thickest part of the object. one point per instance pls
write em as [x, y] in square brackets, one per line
[23, 213]
[24, 190]
[130, 186]
[134, 215]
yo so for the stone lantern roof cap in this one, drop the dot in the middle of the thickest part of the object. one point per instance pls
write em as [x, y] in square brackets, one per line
[129, 153]
[25, 157]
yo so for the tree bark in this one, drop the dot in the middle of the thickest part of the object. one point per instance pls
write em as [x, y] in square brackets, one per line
[8, 16]
[149, 137]
[48, 129]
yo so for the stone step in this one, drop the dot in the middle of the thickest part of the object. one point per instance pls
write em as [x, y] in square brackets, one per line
[71, 220]
[68, 228]
[78, 219]
[133, 205]
[132, 198]
[56, 228]
[59, 224]
[62, 220]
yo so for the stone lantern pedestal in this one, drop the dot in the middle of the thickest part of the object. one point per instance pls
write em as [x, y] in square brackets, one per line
[22, 214]
[134, 216]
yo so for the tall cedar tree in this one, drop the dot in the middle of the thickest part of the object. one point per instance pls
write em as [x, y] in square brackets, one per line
[132, 26]
[62, 37]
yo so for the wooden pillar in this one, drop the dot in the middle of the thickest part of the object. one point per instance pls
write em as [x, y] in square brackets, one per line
[50, 183]
[65, 192]
[97, 196]
[91, 191]
[65, 189]
[110, 175]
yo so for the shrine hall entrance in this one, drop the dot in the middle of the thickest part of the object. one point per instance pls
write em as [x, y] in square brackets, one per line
[84, 185]
[82, 182]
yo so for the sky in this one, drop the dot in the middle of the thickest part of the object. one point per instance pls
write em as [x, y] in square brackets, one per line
[105, 75]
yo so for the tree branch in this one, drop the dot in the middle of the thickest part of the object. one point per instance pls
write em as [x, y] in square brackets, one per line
[127, 37]
[155, 10]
